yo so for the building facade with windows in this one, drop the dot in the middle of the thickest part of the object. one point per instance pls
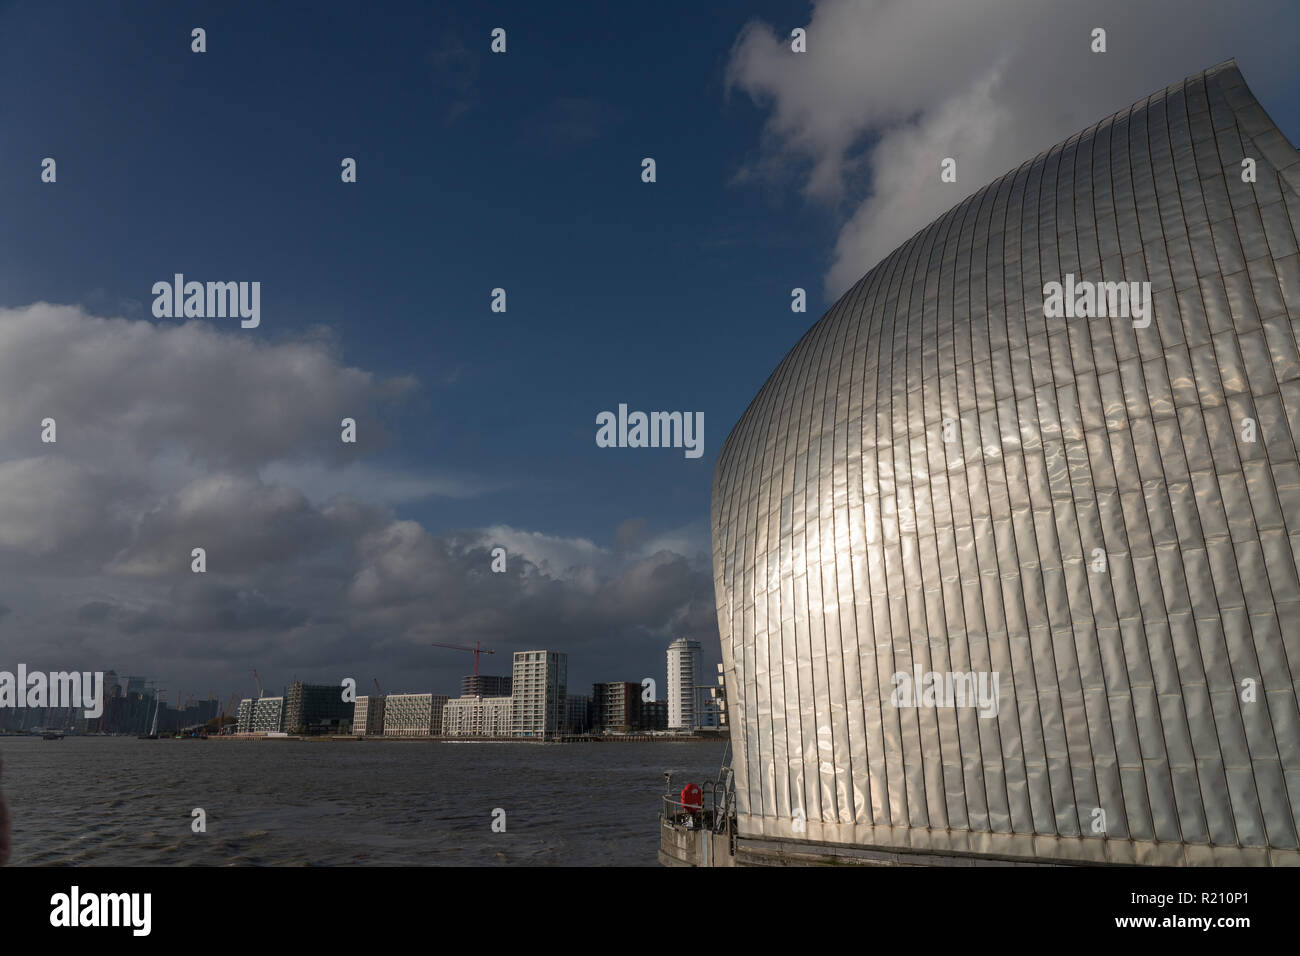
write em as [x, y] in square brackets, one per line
[314, 709]
[368, 717]
[538, 691]
[654, 715]
[617, 708]
[244, 716]
[484, 685]
[577, 714]
[1096, 517]
[268, 715]
[477, 717]
[683, 678]
[414, 715]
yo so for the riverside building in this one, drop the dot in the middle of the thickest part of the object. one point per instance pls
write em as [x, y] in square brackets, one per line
[577, 714]
[539, 687]
[244, 718]
[268, 715]
[414, 715]
[313, 709]
[683, 675]
[368, 717]
[477, 717]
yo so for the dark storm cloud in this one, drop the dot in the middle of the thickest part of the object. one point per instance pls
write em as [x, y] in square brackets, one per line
[177, 437]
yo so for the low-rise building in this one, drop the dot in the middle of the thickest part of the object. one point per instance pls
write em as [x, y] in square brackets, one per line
[244, 717]
[268, 715]
[368, 717]
[477, 717]
[316, 709]
[414, 715]
[654, 715]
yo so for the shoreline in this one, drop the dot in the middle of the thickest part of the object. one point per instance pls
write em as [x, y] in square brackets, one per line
[347, 738]
[565, 739]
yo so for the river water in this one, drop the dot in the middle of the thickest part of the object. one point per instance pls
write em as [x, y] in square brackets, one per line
[121, 801]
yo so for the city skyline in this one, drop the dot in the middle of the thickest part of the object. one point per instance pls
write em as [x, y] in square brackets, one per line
[376, 301]
[209, 706]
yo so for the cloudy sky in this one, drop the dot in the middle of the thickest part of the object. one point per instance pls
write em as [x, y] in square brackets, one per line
[475, 171]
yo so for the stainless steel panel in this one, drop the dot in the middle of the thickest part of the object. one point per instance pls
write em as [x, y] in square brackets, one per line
[1100, 531]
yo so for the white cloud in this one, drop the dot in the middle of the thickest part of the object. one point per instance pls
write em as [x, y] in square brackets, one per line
[172, 437]
[376, 484]
[888, 88]
[126, 391]
[556, 556]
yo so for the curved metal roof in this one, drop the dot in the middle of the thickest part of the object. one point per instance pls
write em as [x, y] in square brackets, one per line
[939, 480]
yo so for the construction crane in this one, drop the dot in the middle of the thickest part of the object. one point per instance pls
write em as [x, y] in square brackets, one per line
[258, 681]
[378, 690]
[476, 650]
[227, 708]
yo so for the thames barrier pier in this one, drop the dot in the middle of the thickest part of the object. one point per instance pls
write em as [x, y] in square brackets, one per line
[1095, 512]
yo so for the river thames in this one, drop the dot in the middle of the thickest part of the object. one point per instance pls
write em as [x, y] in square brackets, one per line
[122, 801]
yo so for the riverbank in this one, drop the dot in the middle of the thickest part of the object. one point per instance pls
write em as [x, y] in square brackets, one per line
[564, 739]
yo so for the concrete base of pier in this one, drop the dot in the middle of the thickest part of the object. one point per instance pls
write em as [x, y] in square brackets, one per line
[685, 846]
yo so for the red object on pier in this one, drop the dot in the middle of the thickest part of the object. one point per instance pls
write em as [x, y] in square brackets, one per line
[692, 798]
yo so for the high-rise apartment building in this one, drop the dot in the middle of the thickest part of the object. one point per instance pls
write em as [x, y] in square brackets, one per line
[683, 676]
[539, 687]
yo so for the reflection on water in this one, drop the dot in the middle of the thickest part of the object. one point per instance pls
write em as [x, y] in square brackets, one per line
[101, 801]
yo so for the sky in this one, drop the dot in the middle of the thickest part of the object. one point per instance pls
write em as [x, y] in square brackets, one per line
[521, 170]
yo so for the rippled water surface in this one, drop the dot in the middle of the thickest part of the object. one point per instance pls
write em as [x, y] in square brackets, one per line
[110, 800]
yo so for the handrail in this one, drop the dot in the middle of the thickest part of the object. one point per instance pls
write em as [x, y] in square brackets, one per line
[716, 811]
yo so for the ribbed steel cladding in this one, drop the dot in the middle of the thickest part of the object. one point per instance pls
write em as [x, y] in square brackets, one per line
[851, 542]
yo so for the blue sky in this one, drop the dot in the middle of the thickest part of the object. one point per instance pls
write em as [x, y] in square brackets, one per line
[475, 171]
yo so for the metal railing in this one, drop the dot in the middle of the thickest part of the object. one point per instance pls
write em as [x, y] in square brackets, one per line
[716, 811]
